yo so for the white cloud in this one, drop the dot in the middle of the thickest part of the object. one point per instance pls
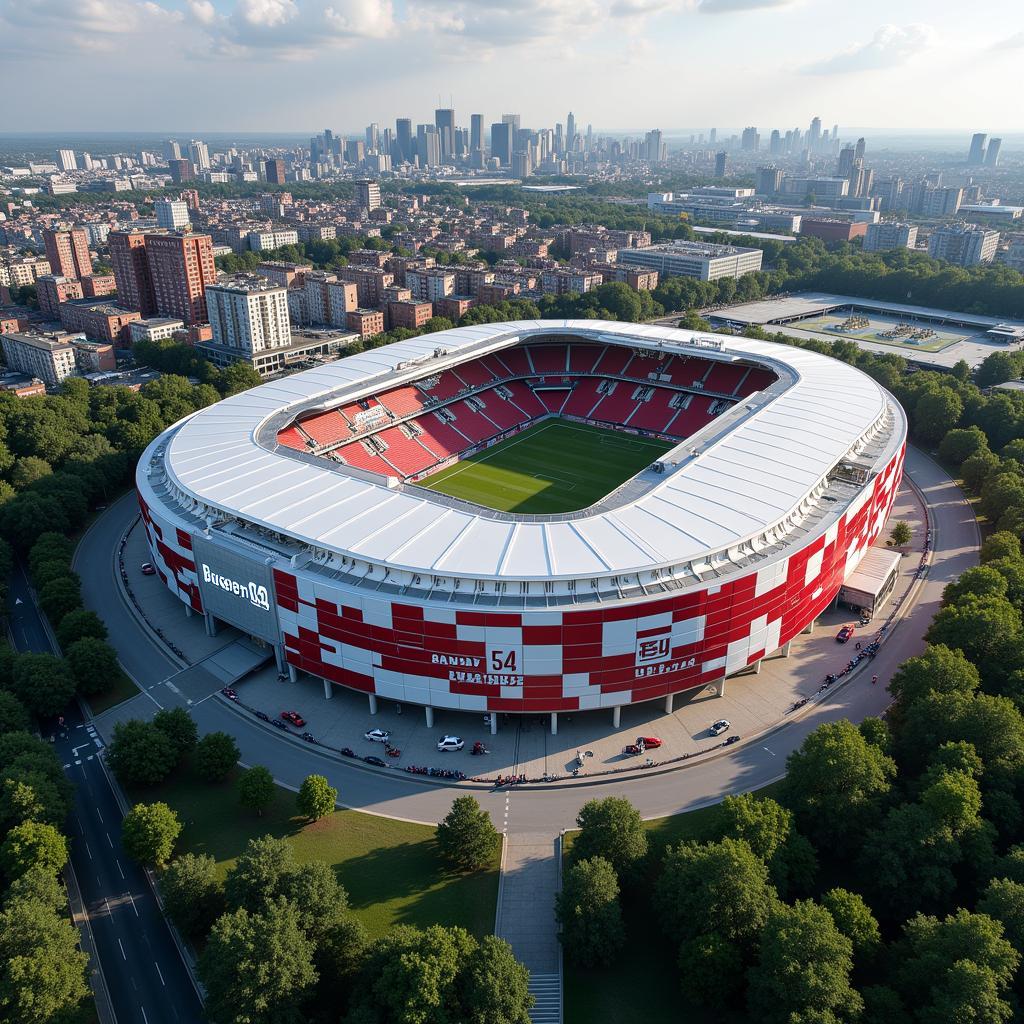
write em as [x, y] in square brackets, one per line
[731, 6]
[890, 47]
[203, 11]
[1014, 42]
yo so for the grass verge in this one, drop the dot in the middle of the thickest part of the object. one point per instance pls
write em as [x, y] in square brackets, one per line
[121, 688]
[391, 869]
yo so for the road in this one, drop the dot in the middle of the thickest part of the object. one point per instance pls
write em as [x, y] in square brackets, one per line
[536, 809]
[145, 975]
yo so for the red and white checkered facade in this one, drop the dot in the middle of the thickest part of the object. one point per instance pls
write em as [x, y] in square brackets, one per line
[576, 658]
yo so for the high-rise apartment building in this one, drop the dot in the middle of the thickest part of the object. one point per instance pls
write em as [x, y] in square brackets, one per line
[570, 132]
[963, 244]
[274, 171]
[66, 160]
[750, 141]
[181, 170]
[182, 268]
[768, 181]
[199, 154]
[428, 145]
[403, 139]
[51, 291]
[476, 133]
[172, 151]
[131, 271]
[976, 156]
[720, 164]
[368, 195]
[887, 234]
[68, 252]
[248, 314]
[444, 121]
[171, 214]
[992, 153]
[501, 143]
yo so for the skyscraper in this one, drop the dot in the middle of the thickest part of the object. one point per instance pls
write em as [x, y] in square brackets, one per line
[274, 171]
[444, 121]
[976, 157]
[720, 161]
[570, 132]
[171, 214]
[814, 134]
[66, 160]
[368, 195]
[844, 166]
[199, 154]
[181, 170]
[428, 145]
[403, 139]
[131, 271]
[181, 267]
[992, 153]
[172, 151]
[501, 142]
[751, 141]
[858, 151]
[68, 252]
[476, 132]
[372, 138]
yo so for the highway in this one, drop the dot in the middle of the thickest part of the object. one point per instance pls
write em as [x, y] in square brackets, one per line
[537, 809]
[146, 978]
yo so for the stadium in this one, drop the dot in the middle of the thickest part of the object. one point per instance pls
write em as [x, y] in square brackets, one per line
[542, 516]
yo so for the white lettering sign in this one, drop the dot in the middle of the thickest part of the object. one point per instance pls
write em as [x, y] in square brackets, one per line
[255, 594]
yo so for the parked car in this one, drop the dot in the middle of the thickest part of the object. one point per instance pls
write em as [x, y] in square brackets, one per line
[309, 737]
[229, 693]
[730, 740]
[294, 718]
[377, 736]
[447, 743]
[845, 635]
[147, 569]
[378, 761]
[722, 725]
[650, 742]
[263, 716]
[278, 724]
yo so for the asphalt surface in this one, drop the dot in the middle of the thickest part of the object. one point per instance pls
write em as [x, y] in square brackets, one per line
[535, 808]
[146, 978]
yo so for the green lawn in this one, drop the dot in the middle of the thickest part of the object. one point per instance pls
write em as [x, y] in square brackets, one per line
[390, 868]
[121, 688]
[553, 467]
[642, 981]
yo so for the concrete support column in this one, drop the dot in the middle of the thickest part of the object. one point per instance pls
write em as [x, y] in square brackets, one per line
[494, 723]
[188, 611]
[809, 628]
[718, 688]
[429, 711]
[292, 674]
[279, 657]
[616, 716]
[554, 723]
[670, 702]
[211, 624]
[328, 690]
[786, 648]
[373, 703]
[756, 667]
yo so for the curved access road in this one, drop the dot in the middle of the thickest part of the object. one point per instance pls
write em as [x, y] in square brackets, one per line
[535, 808]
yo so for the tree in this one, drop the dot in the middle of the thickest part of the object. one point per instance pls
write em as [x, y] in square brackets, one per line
[216, 756]
[149, 832]
[854, 919]
[256, 789]
[1000, 545]
[613, 829]
[49, 546]
[316, 893]
[28, 470]
[259, 875]
[177, 725]
[493, 986]
[14, 715]
[58, 597]
[959, 445]
[997, 368]
[935, 413]
[339, 954]
[43, 683]
[976, 468]
[721, 887]
[40, 885]
[978, 581]
[1003, 900]
[78, 624]
[93, 664]
[466, 837]
[140, 753]
[317, 797]
[27, 795]
[33, 844]
[900, 535]
[836, 783]
[42, 970]
[803, 968]
[191, 893]
[588, 913]
[257, 968]
[987, 629]
[938, 669]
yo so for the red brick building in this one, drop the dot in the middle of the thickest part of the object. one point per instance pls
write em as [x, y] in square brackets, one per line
[365, 322]
[274, 171]
[68, 252]
[831, 230]
[95, 286]
[181, 267]
[52, 290]
[100, 321]
[409, 314]
[131, 271]
[454, 306]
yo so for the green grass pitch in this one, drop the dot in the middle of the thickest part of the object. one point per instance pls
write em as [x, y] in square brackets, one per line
[553, 467]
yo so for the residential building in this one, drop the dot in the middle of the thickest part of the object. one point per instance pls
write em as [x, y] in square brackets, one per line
[181, 267]
[562, 281]
[963, 244]
[281, 272]
[171, 214]
[52, 290]
[274, 172]
[67, 252]
[832, 229]
[976, 156]
[131, 271]
[200, 155]
[410, 314]
[368, 195]
[93, 356]
[259, 240]
[938, 202]
[890, 235]
[720, 164]
[155, 328]
[431, 284]
[98, 320]
[51, 358]
[248, 315]
[369, 281]
[95, 286]
[366, 322]
[454, 307]
[701, 260]
[66, 160]
[181, 170]
[637, 278]
[992, 153]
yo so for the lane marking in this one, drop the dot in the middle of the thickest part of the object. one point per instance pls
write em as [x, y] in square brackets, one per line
[158, 971]
[118, 863]
[123, 954]
[135, 908]
[770, 752]
[99, 815]
[109, 840]
[145, 1019]
[88, 851]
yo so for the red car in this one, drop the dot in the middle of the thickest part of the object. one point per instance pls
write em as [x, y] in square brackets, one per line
[147, 569]
[650, 742]
[845, 635]
[294, 717]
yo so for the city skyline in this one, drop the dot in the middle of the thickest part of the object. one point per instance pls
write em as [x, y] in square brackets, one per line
[222, 54]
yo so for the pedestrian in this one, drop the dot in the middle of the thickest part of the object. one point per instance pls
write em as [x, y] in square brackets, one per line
[874, 679]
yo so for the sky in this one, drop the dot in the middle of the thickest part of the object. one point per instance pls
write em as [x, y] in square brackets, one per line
[304, 65]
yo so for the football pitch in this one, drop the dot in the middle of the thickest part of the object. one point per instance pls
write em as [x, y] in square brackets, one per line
[553, 467]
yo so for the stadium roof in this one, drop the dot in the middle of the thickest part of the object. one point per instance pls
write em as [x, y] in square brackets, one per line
[754, 477]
